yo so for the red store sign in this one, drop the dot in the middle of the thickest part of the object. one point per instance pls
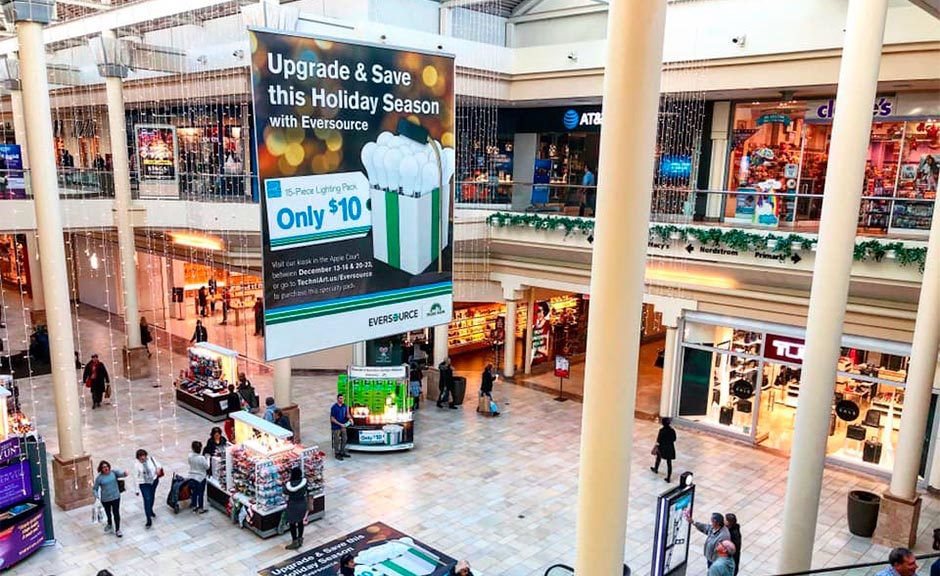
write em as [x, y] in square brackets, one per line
[784, 349]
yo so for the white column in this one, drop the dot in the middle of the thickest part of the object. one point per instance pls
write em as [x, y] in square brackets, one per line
[114, 87]
[718, 160]
[359, 354]
[35, 271]
[36, 106]
[282, 382]
[509, 356]
[527, 361]
[19, 125]
[920, 373]
[669, 368]
[440, 343]
[858, 80]
[635, 31]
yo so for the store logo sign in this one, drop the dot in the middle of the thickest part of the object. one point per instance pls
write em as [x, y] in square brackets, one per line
[785, 349]
[572, 119]
[825, 110]
[10, 449]
[435, 310]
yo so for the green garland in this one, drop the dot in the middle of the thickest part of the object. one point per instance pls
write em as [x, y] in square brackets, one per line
[733, 239]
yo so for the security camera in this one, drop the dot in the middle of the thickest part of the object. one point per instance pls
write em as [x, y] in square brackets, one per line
[238, 54]
[739, 40]
[440, 46]
[573, 56]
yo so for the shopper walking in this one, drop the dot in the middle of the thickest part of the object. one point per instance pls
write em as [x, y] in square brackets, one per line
[226, 304]
[714, 533]
[200, 334]
[724, 563]
[107, 488]
[665, 448]
[446, 383]
[148, 477]
[198, 470]
[234, 400]
[259, 317]
[486, 385]
[203, 296]
[96, 378]
[145, 336]
[339, 419]
[296, 492]
[414, 384]
[247, 392]
[901, 562]
[731, 522]
[269, 409]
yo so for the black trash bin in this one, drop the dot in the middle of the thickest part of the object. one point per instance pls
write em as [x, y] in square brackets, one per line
[460, 389]
[863, 512]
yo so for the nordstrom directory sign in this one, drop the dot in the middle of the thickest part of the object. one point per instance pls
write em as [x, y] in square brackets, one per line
[355, 152]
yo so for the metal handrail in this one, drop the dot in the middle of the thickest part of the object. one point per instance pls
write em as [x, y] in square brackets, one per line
[831, 569]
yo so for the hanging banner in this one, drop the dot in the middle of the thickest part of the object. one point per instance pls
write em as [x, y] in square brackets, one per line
[376, 550]
[355, 154]
[12, 181]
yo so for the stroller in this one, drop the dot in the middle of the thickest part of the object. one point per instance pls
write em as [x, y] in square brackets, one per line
[179, 492]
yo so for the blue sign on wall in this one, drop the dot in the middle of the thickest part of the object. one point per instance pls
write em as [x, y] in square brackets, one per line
[12, 180]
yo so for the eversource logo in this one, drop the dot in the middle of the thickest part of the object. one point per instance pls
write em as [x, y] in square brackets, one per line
[435, 310]
[572, 118]
[393, 318]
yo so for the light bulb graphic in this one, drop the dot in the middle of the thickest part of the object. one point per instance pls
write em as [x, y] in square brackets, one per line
[366, 154]
[430, 177]
[378, 162]
[408, 170]
[392, 164]
[384, 138]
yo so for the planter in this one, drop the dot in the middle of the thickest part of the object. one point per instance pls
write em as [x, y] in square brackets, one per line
[863, 512]
[891, 254]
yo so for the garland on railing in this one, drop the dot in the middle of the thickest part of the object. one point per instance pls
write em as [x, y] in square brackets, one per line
[733, 239]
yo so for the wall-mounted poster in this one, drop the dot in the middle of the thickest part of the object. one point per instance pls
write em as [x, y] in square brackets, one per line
[12, 181]
[156, 151]
[355, 155]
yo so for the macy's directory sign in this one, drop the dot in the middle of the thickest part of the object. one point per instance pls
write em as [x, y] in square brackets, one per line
[355, 154]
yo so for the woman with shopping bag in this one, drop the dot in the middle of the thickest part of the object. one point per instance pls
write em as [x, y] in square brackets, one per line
[148, 473]
[107, 489]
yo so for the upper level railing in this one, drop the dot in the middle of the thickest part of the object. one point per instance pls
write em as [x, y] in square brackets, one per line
[884, 216]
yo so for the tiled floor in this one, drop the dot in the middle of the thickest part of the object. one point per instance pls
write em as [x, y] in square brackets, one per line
[500, 492]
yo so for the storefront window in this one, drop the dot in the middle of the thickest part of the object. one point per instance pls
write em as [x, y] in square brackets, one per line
[747, 382]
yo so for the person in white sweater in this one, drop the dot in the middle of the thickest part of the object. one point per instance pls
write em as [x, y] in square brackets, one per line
[198, 470]
[148, 473]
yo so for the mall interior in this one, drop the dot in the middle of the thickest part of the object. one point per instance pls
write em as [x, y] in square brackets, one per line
[748, 186]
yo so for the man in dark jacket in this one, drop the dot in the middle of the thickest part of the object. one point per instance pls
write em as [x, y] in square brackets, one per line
[200, 334]
[665, 447]
[203, 296]
[234, 400]
[96, 377]
[446, 383]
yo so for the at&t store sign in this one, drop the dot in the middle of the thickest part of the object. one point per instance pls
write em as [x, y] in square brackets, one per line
[574, 119]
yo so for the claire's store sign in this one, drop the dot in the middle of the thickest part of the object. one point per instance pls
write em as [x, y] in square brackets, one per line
[784, 349]
[883, 107]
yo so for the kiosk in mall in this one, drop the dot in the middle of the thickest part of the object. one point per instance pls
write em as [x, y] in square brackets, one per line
[247, 480]
[382, 410]
[25, 510]
[203, 387]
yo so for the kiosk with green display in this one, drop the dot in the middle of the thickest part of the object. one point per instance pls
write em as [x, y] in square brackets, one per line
[382, 410]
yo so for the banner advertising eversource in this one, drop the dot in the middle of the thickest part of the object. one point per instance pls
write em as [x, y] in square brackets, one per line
[355, 155]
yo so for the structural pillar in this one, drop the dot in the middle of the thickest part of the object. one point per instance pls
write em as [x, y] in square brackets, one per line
[635, 31]
[283, 394]
[441, 349]
[135, 359]
[509, 339]
[359, 354]
[37, 311]
[71, 467]
[527, 360]
[858, 80]
[718, 161]
[900, 509]
[669, 367]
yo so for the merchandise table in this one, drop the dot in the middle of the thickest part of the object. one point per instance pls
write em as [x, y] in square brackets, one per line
[381, 409]
[203, 387]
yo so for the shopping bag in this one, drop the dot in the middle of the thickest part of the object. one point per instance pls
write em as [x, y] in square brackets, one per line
[484, 406]
[494, 408]
[107, 392]
[655, 450]
[97, 512]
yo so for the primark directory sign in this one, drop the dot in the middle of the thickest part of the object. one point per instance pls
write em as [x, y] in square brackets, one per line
[355, 156]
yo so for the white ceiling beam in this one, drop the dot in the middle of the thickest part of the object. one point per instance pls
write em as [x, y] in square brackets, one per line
[127, 15]
[525, 7]
[560, 13]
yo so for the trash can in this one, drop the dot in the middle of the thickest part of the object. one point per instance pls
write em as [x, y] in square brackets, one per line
[863, 512]
[460, 389]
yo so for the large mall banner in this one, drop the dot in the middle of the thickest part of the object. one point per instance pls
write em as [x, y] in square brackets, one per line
[355, 155]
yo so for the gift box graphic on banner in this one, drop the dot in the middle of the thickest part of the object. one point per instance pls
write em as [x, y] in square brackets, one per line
[402, 557]
[410, 214]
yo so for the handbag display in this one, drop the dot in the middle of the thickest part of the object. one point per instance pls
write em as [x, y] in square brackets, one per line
[855, 432]
[726, 415]
[745, 406]
[871, 452]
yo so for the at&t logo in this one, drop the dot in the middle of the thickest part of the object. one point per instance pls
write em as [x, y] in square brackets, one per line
[572, 119]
